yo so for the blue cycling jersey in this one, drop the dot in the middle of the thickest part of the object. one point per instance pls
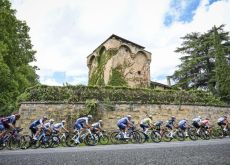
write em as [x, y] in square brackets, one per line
[182, 123]
[36, 123]
[11, 119]
[124, 120]
[82, 120]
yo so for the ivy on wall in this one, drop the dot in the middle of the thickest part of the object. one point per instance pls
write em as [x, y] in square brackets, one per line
[74, 94]
[117, 78]
[97, 76]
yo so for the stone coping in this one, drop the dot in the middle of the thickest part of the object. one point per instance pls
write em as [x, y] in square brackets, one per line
[122, 102]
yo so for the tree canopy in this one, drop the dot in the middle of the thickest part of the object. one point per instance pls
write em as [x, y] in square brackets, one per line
[16, 54]
[204, 60]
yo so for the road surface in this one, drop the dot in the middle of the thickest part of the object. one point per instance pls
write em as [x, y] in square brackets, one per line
[173, 153]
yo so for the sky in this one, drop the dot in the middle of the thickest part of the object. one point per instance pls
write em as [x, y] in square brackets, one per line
[65, 32]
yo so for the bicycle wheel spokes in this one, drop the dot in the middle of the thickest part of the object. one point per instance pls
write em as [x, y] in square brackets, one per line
[104, 140]
[70, 140]
[115, 137]
[166, 136]
[25, 141]
[13, 143]
[155, 136]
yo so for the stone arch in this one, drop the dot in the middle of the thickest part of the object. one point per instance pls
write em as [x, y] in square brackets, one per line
[142, 53]
[100, 54]
[102, 50]
[91, 60]
[126, 48]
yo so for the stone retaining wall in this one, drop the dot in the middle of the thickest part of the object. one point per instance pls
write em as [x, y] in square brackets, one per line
[70, 112]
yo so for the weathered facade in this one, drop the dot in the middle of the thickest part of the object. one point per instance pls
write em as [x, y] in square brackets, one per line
[119, 62]
[58, 111]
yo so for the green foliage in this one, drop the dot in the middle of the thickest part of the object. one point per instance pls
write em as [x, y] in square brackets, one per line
[15, 55]
[199, 63]
[222, 69]
[74, 94]
[91, 108]
[97, 77]
[117, 79]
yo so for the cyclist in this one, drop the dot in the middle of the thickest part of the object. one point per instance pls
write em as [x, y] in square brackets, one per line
[223, 122]
[170, 124]
[81, 124]
[183, 126]
[158, 125]
[34, 126]
[146, 123]
[58, 126]
[49, 125]
[123, 124]
[8, 123]
[196, 122]
[97, 126]
[205, 124]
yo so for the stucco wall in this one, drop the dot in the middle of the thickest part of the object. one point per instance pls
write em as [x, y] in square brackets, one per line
[32, 111]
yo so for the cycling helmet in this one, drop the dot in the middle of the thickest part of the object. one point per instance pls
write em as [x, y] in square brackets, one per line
[225, 116]
[100, 121]
[45, 117]
[51, 120]
[206, 118]
[129, 116]
[90, 116]
[150, 116]
[173, 117]
[63, 121]
[199, 117]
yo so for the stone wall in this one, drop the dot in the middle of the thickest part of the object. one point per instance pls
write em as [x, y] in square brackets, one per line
[70, 112]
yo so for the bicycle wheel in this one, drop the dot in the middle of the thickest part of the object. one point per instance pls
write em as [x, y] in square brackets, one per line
[34, 144]
[70, 140]
[25, 141]
[155, 136]
[54, 141]
[166, 136]
[13, 143]
[135, 137]
[204, 135]
[45, 141]
[143, 137]
[104, 139]
[192, 134]
[90, 140]
[180, 135]
[115, 137]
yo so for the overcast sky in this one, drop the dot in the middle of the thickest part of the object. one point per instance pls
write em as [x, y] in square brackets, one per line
[64, 32]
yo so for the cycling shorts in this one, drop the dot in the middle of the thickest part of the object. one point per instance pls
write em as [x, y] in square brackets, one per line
[79, 126]
[122, 126]
[195, 124]
[144, 126]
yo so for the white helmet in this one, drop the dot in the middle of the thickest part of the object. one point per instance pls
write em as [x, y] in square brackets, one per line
[90, 116]
[51, 120]
[129, 116]
[199, 117]
[100, 121]
[45, 117]
[63, 121]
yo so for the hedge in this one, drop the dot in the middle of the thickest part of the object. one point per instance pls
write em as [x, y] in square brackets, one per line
[81, 93]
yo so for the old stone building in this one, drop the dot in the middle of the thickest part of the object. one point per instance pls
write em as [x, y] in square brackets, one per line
[119, 62]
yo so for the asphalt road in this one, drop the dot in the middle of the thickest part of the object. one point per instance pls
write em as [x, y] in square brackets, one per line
[173, 153]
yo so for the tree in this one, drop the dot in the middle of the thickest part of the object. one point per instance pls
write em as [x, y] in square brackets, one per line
[197, 68]
[16, 54]
[222, 69]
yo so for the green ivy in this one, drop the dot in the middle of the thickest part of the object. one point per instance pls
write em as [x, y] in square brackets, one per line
[97, 77]
[80, 93]
[117, 79]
